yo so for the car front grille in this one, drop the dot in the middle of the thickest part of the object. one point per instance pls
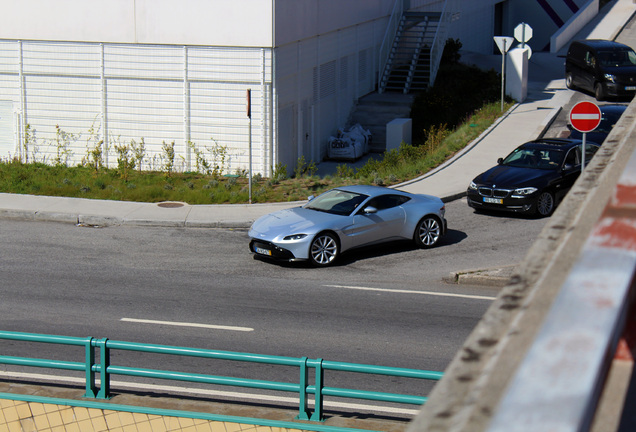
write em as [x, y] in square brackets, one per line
[494, 193]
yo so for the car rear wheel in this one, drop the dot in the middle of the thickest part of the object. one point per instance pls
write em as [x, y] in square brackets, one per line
[324, 250]
[545, 204]
[599, 93]
[569, 80]
[427, 232]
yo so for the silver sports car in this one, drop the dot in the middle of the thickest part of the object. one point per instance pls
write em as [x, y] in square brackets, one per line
[345, 218]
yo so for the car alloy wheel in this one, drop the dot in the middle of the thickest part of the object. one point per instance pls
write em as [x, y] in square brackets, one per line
[599, 93]
[428, 232]
[545, 204]
[323, 250]
[569, 80]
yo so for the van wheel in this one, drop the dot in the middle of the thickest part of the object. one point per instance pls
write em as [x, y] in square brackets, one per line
[599, 93]
[569, 81]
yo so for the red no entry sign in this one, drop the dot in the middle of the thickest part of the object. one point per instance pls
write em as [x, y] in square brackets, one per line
[585, 116]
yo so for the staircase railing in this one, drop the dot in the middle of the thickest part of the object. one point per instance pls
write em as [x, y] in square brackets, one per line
[449, 10]
[387, 42]
[415, 58]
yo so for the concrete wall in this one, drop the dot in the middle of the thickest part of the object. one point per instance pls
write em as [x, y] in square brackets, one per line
[245, 23]
[545, 18]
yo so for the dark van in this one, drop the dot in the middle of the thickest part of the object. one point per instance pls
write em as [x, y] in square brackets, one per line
[605, 68]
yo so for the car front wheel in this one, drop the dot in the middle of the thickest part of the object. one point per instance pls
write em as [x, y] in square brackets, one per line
[545, 204]
[569, 81]
[599, 92]
[428, 232]
[324, 250]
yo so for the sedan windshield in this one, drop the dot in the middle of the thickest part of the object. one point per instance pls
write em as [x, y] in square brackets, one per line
[336, 201]
[524, 157]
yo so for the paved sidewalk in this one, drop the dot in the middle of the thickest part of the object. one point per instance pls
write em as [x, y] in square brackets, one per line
[525, 121]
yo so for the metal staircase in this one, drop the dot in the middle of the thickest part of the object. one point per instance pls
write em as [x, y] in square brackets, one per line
[408, 65]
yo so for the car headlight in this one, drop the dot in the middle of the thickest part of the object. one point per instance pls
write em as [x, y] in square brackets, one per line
[521, 192]
[295, 237]
[472, 186]
[610, 77]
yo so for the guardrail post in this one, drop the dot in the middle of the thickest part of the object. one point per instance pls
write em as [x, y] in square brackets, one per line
[303, 412]
[89, 361]
[320, 375]
[104, 362]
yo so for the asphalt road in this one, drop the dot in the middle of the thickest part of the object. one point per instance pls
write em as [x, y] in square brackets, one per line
[385, 305]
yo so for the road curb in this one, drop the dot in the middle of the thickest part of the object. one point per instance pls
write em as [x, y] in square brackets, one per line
[494, 277]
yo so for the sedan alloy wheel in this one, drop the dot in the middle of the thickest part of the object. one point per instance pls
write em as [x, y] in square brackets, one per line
[323, 250]
[545, 204]
[427, 232]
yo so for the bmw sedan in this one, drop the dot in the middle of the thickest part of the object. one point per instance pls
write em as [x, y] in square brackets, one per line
[534, 178]
[345, 218]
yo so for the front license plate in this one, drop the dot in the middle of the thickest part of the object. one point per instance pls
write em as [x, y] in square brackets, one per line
[630, 88]
[263, 251]
[493, 200]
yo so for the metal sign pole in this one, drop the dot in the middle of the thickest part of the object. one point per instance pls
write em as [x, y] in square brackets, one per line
[583, 152]
[249, 116]
[503, 73]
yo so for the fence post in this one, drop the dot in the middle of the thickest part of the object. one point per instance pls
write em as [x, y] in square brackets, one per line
[320, 375]
[303, 412]
[89, 361]
[104, 362]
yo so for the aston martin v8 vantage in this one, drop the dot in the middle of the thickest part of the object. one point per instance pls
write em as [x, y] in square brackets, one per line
[345, 218]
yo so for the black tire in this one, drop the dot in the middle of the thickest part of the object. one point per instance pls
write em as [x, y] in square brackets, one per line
[569, 81]
[427, 232]
[599, 92]
[545, 204]
[324, 250]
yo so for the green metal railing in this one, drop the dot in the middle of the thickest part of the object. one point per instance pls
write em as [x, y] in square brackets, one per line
[104, 370]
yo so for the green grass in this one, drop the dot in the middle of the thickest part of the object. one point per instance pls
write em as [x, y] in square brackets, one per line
[396, 166]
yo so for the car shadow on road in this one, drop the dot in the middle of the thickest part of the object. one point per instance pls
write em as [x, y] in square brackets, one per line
[507, 215]
[375, 251]
[396, 247]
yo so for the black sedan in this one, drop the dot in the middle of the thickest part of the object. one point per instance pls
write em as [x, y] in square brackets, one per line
[532, 179]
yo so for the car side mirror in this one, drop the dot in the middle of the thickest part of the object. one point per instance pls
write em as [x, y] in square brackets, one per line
[370, 210]
[310, 197]
[499, 161]
[568, 167]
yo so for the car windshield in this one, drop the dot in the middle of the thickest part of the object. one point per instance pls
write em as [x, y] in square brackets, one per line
[525, 157]
[336, 201]
[617, 58]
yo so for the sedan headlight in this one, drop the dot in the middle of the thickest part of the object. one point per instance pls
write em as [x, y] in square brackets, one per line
[522, 192]
[472, 186]
[295, 237]
[610, 77]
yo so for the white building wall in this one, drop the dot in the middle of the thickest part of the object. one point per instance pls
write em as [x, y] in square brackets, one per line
[318, 82]
[474, 26]
[168, 71]
[122, 92]
[245, 23]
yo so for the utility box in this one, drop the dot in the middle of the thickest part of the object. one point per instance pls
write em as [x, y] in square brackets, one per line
[517, 74]
[398, 130]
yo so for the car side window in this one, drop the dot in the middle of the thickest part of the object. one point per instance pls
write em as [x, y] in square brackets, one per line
[384, 202]
[573, 157]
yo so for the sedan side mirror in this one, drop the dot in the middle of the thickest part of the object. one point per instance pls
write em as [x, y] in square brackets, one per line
[310, 197]
[370, 210]
[499, 161]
